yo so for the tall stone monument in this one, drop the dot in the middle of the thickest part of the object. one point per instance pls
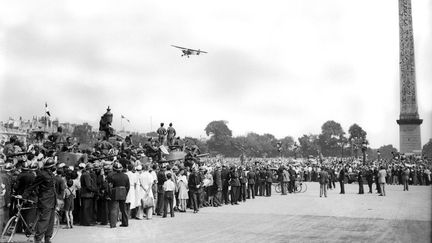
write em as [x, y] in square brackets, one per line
[409, 122]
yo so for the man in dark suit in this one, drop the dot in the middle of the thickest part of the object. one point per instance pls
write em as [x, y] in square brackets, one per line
[194, 184]
[323, 181]
[262, 181]
[370, 178]
[251, 177]
[342, 180]
[243, 180]
[293, 175]
[225, 184]
[44, 183]
[120, 187]
[217, 186]
[161, 178]
[102, 202]
[360, 181]
[87, 195]
[268, 182]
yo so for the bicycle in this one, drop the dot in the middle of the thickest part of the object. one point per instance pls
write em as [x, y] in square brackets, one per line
[299, 186]
[28, 227]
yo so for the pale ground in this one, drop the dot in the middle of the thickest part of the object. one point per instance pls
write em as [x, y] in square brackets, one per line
[305, 217]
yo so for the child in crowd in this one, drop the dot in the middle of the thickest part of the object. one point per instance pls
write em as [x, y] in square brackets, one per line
[70, 194]
[169, 188]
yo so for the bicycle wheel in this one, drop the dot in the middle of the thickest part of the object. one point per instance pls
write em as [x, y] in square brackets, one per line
[9, 230]
[304, 187]
[298, 187]
[56, 225]
[278, 188]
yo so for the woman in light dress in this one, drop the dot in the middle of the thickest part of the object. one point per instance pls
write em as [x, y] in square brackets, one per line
[133, 182]
[139, 193]
[146, 182]
[183, 196]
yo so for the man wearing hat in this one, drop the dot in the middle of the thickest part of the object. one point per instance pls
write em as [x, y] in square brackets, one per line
[24, 180]
[44, 183]
[120, 186]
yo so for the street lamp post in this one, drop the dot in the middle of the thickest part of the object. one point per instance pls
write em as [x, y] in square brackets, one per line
[364, 148]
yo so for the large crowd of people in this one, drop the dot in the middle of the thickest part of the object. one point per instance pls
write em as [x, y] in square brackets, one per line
[117, 181]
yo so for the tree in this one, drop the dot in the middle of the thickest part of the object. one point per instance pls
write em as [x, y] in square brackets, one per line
[427, 150]
[220, 137]
[287, 146]
[331, 138]
[386, 152]
[357, 136]
[309, 145]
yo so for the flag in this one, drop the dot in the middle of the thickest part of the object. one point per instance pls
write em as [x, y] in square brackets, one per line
[46, 110]
[123, 117]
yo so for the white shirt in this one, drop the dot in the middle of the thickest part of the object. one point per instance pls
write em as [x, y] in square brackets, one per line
[168, 185]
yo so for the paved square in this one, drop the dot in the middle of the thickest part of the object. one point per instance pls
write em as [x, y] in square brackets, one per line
[398, 217]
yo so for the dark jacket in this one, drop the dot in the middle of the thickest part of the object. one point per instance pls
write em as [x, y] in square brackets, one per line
[24, 180]
[234, 178]
[87, 189]
[243, 177]
[194, 181]
[224, 176]
[44, 183]
[120, 182]
[342, 174]
[269, 176]
[323, 177]
[251, 176]
[217, 180]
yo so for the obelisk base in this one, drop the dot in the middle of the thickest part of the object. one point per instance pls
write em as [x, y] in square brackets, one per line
[409, 135]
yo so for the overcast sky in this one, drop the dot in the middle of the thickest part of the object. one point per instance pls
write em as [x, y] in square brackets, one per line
[279, 67]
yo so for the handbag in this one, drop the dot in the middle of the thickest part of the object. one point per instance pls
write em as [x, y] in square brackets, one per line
[147, 201]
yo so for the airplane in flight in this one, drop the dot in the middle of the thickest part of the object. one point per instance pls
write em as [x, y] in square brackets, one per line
[187, 52]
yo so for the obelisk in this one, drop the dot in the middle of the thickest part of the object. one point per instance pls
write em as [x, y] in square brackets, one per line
[409, 122]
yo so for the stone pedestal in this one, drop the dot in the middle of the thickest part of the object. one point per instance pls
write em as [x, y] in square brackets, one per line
[409, 135]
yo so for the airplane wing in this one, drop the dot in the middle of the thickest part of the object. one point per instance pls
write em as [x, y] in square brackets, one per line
[197, 51]
[180, 47]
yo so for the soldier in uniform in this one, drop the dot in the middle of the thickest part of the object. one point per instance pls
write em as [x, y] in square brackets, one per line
[162, 132]
[44, 183]
[171, 134]
[251, 177]
[119, 183]
[235, 185]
